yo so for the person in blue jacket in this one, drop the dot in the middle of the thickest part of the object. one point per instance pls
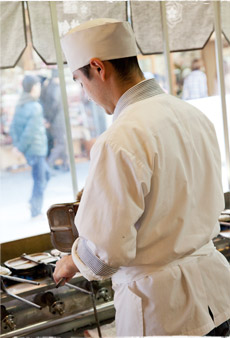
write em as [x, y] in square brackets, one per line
[28, 134]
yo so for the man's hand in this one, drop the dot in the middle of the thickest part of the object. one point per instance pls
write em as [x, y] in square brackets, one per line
[65, 268]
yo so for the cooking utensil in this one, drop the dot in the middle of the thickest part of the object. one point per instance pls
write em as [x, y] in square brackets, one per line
[61, 222]
[19, 263]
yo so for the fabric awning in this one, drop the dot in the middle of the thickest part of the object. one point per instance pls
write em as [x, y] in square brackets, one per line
[190, 24]
[70, 14]
[12, 33]
[225, 19]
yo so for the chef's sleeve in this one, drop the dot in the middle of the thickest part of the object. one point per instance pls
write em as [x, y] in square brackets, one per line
[111, 206]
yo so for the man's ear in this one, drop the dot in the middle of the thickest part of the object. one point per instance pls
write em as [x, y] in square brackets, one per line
[98, 67]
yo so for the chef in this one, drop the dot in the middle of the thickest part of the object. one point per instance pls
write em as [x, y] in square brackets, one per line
[153, 195]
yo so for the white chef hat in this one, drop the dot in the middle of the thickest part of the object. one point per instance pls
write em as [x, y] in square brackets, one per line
[106, 39]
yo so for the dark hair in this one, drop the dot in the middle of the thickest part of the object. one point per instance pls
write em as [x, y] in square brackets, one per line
[29, 81]
[125, 67]
[195, 64]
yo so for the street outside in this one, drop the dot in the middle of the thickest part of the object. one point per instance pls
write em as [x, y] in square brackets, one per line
[16, 187]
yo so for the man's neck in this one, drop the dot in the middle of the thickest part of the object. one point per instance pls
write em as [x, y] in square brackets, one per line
[121, 87]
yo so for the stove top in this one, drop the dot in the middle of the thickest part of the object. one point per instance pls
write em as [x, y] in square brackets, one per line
[31, 303]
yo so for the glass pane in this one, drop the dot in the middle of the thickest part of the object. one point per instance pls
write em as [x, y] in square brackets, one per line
[88, 121]
[154, 66]
[32, 181]
[34, 167]
[195, 79]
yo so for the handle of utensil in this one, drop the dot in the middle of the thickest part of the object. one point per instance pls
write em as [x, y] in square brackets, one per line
[60, 282]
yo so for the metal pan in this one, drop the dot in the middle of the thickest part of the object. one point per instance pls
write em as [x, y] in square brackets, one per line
[22, 267]
[62, 227]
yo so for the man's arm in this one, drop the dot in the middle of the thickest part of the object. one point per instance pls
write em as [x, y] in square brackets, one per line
[112, 203]
[65, 268]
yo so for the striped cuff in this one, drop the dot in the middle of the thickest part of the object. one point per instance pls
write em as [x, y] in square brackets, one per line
[93, 262]
[91, 267]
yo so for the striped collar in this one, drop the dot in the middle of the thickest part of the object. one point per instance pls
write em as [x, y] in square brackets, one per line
[141, 91]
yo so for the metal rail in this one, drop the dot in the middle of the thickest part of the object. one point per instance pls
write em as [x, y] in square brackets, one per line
[18, 279]
[166, 45]
[23, 300]
[55, 322]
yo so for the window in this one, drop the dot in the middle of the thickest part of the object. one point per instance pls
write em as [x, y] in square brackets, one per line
[18, 180]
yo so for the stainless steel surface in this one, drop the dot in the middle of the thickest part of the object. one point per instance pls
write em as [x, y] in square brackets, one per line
[18, 297]
[78, 288]
[57, 322]
[59, 310]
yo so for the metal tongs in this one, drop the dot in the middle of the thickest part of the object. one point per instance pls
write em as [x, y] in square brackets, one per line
[22, 280]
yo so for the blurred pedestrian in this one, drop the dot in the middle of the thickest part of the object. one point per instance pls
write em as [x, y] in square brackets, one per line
[53, 112]
[195, 84]
[28, 134]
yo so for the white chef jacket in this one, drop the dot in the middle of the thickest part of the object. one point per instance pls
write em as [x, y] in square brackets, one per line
[148, 214]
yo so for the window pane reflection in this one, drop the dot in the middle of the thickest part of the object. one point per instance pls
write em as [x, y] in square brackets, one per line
[154, 66]
[32, 178]
[88, 121]
[194, 79]
[195, 76]
[32, 181]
